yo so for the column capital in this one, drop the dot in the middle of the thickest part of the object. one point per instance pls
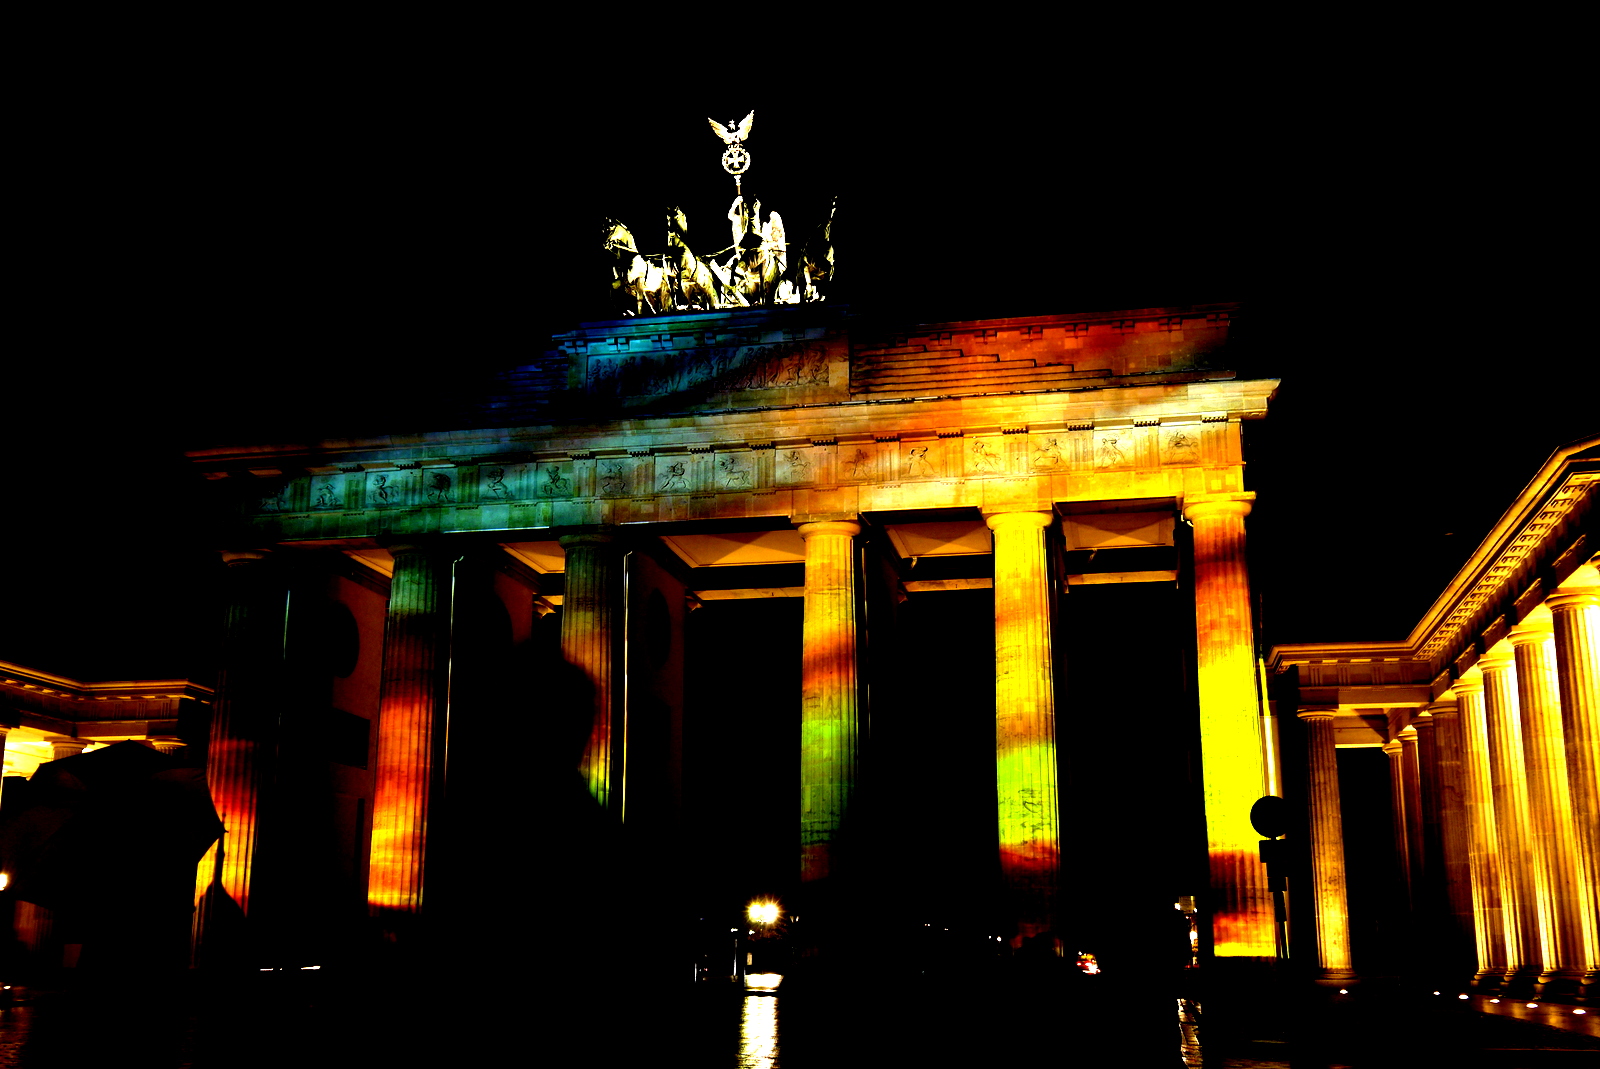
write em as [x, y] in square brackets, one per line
[1470, 683]
[1317, 713]
[594, 536]
[1529, 631]
[1495, 662]
[1393, 747]
[1568, 600]
[997, 520]
[1214, 506]
[1408, 734]
[1423, 719]
[828, 527]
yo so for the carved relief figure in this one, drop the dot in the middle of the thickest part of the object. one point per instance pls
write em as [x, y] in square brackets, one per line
[381, 493]
[612, 480]
[1047, 455]
[799, 466]
[325, 496]
[1183, 446]
[917, 461]
[675, 477]
[732, 474]
[272, 500]
[439, 488]
[555, 484]
[860, 465]
[1110, 453]
[497, 484]
[987, 462]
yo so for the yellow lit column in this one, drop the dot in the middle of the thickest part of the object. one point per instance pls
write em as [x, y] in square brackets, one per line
[1520, 897]
[410, 720]
[1230, 743]
[243, 720]
[1395, 751]
[592, 613]
[1455, 850]
[829, 710]
[1330, 902]
[1025, 721]
[1571, 951]
[1575, 616]
[1483, 837]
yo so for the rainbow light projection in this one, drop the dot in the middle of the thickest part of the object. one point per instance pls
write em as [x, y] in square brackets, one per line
[828, 703]
[591, 625]
[1025, 721]
[411, 667]
[253, 646]
[1230, 728]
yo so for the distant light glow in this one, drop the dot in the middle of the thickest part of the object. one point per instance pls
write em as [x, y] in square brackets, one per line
[1533, 1005]
[1580, 1011]
[763, 981]
[763, 911]
[5, 880]
[1344, 991]
[1494, 1000]
[1461, 996]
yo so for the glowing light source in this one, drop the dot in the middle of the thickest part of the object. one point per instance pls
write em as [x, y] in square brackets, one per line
[763, 981]
[1461, 996]
[5, 880]
[1494, 1000]
[1344, 991]
[1533, 1005]
[762, 911]
[1580, 1011]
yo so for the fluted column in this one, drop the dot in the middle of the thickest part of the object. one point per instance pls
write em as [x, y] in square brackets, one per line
[1330, 904]
[1575, 616]
[1025, 720]
[1230, 743]
[241, 743]
[1455, 849]
[60, 748]
[1411, 763]
[410, 722]
[829, 704]
[1483, 836]
[1395, 751]
[1571, 950]
[592, 613]
[1520, 877]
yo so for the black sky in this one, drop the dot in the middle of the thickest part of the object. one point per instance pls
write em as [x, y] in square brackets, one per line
[285, 250]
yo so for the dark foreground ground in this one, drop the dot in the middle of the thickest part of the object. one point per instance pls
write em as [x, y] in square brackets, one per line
[531, 1017]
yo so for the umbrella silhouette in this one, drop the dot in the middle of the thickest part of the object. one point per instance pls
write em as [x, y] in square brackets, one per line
[103, 831]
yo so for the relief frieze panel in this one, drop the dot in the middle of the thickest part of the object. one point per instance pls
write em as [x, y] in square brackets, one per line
[709, 369]
[607, 482]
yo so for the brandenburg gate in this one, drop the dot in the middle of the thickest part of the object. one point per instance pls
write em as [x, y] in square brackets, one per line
[750, 438]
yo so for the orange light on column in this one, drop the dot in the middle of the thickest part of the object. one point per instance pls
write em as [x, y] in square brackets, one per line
[1230, 728]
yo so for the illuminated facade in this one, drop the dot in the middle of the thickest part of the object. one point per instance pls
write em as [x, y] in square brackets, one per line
[1489, 714]
[403, 611]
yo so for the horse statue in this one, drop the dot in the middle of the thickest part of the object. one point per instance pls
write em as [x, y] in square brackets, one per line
[696, 286]
[645, 283]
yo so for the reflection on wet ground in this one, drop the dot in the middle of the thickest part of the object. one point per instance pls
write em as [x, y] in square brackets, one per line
[1001, 1019]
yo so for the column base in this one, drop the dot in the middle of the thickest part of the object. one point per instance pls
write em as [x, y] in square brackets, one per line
[1524, 983]
[1488, 981]
[1561, 985]
[1335, 978]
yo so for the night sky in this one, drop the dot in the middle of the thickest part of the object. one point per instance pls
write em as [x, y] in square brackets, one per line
[326, 251]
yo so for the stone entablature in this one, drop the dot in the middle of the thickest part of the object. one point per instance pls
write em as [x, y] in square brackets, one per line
[1540, 545]
[69, 707]
[792, 414]
[1171, 441]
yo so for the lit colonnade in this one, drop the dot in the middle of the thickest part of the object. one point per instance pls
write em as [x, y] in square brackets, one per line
[1488, 713]
[724, 422]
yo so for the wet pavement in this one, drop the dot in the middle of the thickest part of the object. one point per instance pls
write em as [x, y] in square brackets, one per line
[1012, 1019]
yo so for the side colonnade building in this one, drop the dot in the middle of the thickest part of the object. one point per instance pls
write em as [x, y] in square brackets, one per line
[429, 635]
[1489, 715]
